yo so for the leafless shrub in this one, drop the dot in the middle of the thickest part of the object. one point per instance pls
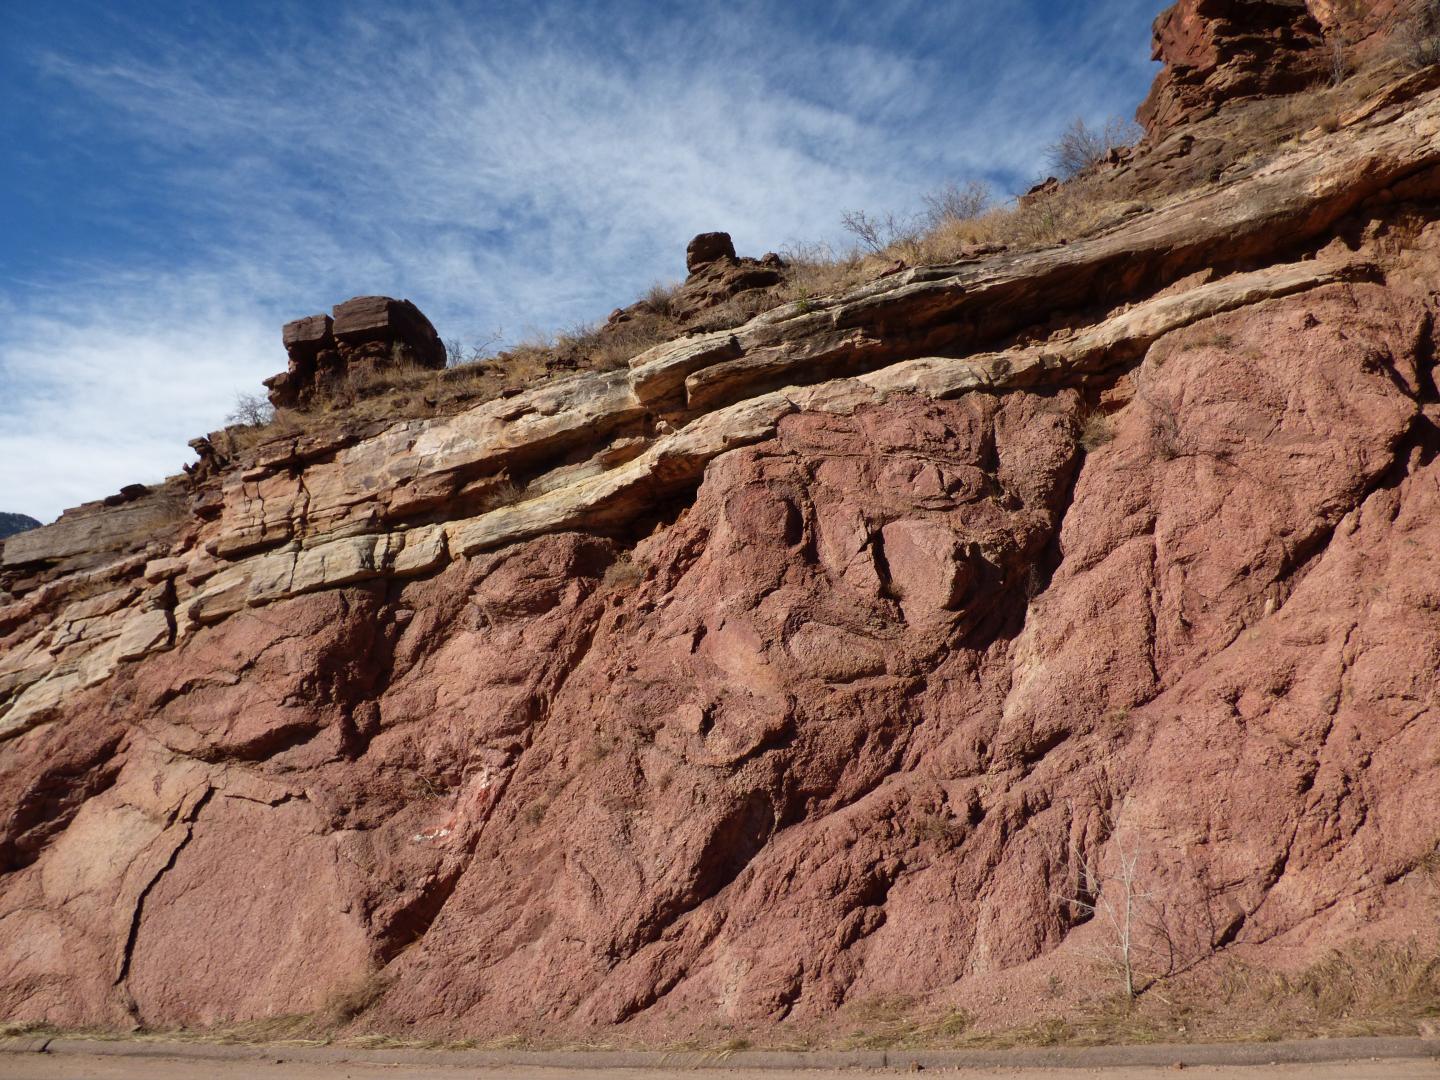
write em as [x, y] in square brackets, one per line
[1339, 61]
[939, 830]
[880, 232]
[346, 1003]
[1080, 147]
[1164, 421]
[624, 572]
[252, 410]
[1096, 431]
[660, 299]
[955, 202]
[505, 492]
[1429, 864]
[909, 236]
[459, 353]
[1419, 36]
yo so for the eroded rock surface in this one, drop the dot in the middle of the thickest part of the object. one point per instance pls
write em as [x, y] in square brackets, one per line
[801, 663]
[362, 336]
[1217, 51]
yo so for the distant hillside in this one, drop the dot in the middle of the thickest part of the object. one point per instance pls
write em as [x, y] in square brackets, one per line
[10, 524]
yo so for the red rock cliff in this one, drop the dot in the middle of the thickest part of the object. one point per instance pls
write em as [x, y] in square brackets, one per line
[839, 657]
[1218, 51]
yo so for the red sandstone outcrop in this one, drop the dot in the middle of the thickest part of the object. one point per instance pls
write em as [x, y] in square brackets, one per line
[806, 662]
[716, 275]
[1218, 51]
[366, 334]
[1215, 51]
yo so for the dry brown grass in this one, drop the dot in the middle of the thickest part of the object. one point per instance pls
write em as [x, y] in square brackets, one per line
[1361, 990]
[626, 571]
[595, 348]
[408, 393]
[815, 270]
[882, 1022]
[1273, 123]
[1072, 211]
[812, 271]
[958, 224]
[348, 1002]
[1096, 431]
[1386, 989]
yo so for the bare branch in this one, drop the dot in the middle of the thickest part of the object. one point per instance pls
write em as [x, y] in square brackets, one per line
[251, 410]
[1081, 148]
[956, 203]
[1419, 37]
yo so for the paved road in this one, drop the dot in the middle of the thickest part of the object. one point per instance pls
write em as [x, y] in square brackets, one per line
[86, 1067]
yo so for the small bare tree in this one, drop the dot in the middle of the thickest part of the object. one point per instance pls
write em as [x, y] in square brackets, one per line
[251, 410]
[1115, 895]
[1339, 61]
[955, 202]
[1419, 36]
[458, 353]
[1081, 148]
[878, 233]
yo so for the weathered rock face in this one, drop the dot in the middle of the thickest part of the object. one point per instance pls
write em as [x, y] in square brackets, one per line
[1218, 51]
[716, 275]
[707, 248]
[366, 334]
[800, 664]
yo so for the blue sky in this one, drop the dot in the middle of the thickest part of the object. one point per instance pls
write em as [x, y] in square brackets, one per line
[182, 178]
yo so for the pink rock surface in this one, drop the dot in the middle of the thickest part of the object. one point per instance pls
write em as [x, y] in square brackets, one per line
[836, 735]
[796, 673]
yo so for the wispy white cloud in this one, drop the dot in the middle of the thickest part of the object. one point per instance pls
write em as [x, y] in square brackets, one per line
[105, 388]
[516, 172]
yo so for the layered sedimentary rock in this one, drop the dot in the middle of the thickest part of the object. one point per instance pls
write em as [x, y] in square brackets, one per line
[364, 335]
[813, 661]
[715, 275]
[1217, 51]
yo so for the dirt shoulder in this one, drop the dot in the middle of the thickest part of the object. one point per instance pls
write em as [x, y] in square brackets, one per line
[75, 1066]
[45, 1058]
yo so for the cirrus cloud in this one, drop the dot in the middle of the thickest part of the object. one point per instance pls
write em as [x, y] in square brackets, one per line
[190, 183]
